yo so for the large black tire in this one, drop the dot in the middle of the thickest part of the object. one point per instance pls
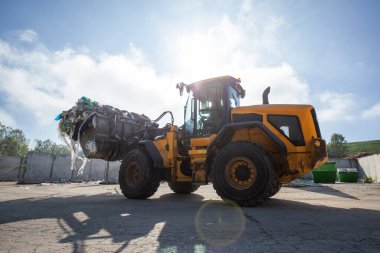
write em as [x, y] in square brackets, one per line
[276, 189]
[183, 188]
[137, 177]
[243, 173]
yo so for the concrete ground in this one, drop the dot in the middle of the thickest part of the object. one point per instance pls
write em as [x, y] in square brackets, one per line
[97, 218]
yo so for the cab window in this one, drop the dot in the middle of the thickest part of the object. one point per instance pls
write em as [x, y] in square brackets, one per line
[233, 98]
[289, 126]
[208, 111]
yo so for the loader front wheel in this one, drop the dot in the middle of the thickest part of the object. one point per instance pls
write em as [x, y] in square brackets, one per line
[183, 188]
[137, 177]
[276, 188]
[243, 173]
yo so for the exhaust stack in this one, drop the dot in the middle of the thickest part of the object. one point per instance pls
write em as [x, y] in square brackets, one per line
[265, 96]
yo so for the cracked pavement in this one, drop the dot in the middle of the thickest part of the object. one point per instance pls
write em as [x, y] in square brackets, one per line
[89, 217]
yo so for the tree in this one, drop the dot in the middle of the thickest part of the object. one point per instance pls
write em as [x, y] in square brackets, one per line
[48, 146]
[337, 146]
[12, 141]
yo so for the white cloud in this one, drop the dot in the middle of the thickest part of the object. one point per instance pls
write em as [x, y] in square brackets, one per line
[201, 55]
[286, 87]
[42, 83]
[27, 35]
[7, 119]
[372, 112]
[238, 49]
[246, 6]
[336, 107]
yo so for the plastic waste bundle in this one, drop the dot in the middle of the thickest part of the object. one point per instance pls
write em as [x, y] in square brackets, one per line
[70, 121]
[102, 130]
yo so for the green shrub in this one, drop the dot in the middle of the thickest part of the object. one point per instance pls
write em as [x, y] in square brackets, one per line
[366, 180]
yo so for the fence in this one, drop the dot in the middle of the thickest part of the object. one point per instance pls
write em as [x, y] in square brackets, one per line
[44, 167]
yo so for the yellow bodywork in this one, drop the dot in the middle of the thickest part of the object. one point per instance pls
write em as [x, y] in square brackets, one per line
[300, 159]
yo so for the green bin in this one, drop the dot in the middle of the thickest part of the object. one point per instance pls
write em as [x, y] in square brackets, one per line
[325, 173]
[348, 175]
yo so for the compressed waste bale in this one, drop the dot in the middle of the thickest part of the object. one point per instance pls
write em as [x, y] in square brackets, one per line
[103, 130]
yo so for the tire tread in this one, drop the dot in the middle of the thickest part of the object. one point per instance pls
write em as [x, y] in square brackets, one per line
[150, 182]
[272, 177]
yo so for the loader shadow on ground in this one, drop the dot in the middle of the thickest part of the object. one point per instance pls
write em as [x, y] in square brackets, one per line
[327, 190]
[190, 224]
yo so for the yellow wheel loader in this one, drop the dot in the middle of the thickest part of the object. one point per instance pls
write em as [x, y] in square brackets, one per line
[246, 152]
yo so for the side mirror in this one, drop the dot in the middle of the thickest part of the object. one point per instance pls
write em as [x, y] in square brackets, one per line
[242, 94]
[180, 86]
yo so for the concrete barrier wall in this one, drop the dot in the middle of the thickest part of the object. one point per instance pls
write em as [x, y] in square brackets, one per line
[10, 168]
[61, 171]
[38, 168]
[42, 167]
[113, 172]
[370, 165]
[98, 169]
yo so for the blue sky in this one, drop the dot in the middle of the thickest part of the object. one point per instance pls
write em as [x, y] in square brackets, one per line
[130, 54]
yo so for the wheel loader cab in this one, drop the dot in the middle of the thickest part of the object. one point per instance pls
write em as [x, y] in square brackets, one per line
[209, 105]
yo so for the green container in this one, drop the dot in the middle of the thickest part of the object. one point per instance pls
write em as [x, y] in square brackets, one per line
[348, 175]
[325, 173]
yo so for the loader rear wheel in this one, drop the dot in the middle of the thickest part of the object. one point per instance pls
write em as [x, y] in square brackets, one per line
[137, 177]
[183, 188]
[243, 173]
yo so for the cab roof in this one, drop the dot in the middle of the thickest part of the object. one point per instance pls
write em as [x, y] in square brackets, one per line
[217, 81]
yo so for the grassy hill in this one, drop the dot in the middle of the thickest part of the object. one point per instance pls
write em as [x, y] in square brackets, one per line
[372, 147]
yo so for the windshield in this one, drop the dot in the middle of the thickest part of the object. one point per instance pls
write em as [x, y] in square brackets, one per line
[189, 120]
[204, 111]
